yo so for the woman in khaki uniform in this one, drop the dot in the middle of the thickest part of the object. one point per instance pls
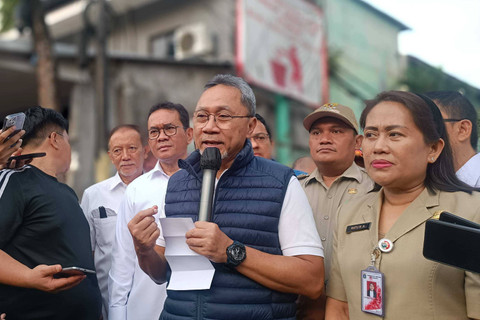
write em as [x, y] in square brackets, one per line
[407, 153]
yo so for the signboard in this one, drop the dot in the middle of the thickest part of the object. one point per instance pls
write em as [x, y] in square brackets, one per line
[281, 46]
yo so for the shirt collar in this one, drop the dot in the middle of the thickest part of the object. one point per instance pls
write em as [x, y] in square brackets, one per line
[353, 172]
[158, 170]
[467, 172]
[116, 181]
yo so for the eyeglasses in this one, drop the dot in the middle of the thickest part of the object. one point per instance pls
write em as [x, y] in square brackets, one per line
[169, 130]
[260, 137]
[222, 119]
[452, 120]
[117, 152]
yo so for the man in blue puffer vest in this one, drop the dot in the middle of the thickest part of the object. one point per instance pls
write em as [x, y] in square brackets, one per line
[262, 241]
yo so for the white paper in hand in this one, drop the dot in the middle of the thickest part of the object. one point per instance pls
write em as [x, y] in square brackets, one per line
[190, 271]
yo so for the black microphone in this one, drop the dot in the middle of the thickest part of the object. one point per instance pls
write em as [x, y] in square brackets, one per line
[210, 163]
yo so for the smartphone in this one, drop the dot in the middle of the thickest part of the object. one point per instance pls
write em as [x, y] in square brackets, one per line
[73, 271]
[27, 156]
[17, 120]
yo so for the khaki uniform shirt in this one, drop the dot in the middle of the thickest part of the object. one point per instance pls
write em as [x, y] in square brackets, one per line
[352, 184]
[415, 288]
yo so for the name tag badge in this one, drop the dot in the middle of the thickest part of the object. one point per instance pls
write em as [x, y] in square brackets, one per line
[373, 294]
[358, 227]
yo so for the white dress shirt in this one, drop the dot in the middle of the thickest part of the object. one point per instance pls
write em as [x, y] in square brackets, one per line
[296, 228]
[470, 171]
[107, 194]
[132, 294]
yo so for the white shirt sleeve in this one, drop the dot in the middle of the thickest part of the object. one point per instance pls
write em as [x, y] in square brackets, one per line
[87, 211]
[296, 229]
[120, 277]
[161, 214]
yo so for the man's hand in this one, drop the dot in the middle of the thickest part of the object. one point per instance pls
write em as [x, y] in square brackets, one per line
[9, 147]
[208, 240]
[144, 230]
[41, 278]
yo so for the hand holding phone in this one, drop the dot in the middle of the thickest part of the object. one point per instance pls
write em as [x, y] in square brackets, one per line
[23, 159]
[13, 120]
[9, 148]
[73, 271]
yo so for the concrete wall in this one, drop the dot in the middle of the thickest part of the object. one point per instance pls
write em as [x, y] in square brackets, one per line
[135, 30]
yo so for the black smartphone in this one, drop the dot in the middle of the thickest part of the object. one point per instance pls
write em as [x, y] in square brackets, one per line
[73, 271]
[27, 156]
[17, 120]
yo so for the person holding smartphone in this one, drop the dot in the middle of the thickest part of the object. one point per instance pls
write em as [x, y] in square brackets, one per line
[43, 229]
[11, 146]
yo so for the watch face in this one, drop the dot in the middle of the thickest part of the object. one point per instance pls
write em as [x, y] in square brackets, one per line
[237, 253]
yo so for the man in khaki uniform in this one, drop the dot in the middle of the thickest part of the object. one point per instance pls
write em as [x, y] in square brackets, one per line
[336, 180]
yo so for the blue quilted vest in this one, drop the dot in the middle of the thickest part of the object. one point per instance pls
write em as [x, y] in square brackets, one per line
[247, 206]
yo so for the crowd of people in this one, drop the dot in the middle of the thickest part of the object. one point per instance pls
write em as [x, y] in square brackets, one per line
[330, 238]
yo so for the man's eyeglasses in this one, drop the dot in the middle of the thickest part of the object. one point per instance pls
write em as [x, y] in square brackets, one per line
[223, 120]
[260, 137]
[452, 120]
[117, 152]
[169, 130]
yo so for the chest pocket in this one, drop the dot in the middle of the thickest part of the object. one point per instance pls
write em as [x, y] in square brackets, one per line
[104, 221]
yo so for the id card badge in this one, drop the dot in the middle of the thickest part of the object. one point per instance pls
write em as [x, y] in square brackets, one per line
[373, 294]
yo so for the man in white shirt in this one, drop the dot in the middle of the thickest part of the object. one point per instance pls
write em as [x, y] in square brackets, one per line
[100, 202]
[132, 294]
[460, 119]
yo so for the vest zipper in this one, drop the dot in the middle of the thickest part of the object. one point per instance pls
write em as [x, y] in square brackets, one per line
[199, 306]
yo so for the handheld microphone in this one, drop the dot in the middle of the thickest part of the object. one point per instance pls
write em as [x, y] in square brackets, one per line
[210, 163]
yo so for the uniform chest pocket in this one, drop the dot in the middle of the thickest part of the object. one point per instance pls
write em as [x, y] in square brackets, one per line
[104, 221]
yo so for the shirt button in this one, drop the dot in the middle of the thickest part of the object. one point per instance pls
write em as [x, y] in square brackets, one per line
[323, 238]
[326, 218]
[329, 196]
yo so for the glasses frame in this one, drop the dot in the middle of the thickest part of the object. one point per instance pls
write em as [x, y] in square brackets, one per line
[260, 136]
[164, 131]
[223, 124]
[452, 120]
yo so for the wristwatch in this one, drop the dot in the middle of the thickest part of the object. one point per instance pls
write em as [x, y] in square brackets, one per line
[236, 253]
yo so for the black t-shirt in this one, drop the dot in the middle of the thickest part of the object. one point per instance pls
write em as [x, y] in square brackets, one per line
[41, 222]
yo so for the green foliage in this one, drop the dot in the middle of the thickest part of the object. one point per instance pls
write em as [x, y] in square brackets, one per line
[7, 14]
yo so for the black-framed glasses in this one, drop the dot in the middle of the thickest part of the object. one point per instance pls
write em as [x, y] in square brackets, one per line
[452, 120]
[260, 137]
[168, 130]
[222, 119]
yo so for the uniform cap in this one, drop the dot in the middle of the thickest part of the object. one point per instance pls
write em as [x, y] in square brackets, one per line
[333, 110]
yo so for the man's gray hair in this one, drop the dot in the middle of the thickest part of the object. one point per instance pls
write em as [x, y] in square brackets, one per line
[247, 96]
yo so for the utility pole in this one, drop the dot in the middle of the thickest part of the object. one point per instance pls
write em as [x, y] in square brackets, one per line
[102, 163]
[101, 77]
